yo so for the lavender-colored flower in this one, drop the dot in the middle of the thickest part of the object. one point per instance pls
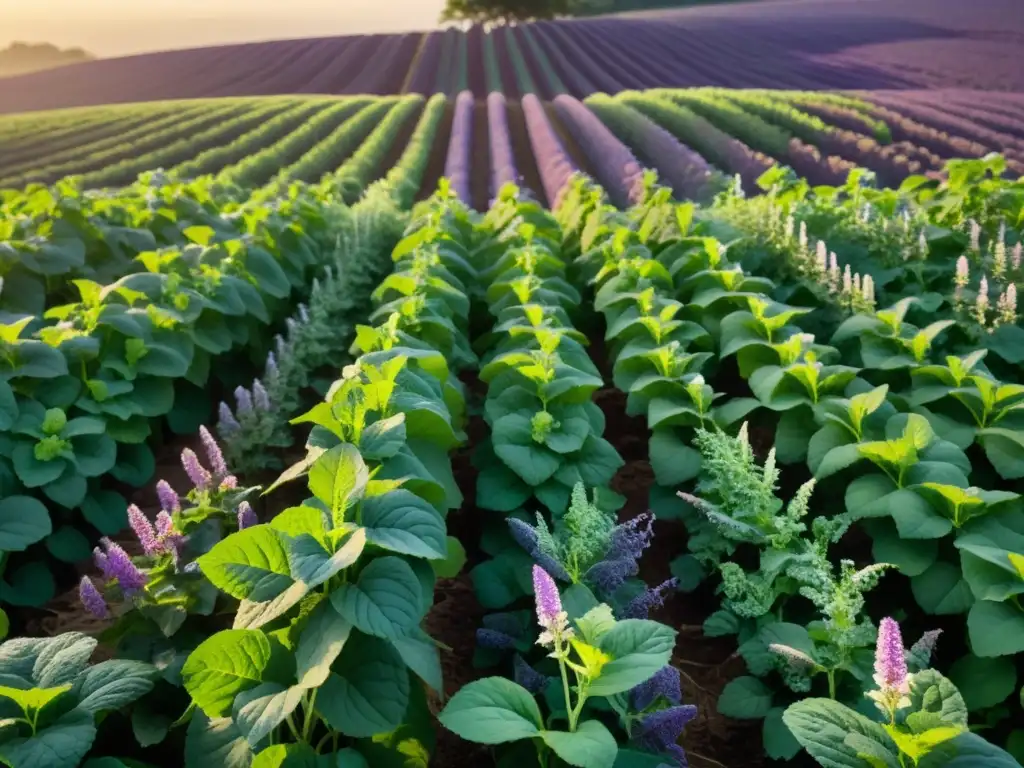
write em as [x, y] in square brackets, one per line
[963, 272]
[260, 398]
[92, 599]
[630, 539]
[608, 575]
[243, 401]
[246, 516]
[213, 453]
[227, 424]
[229, 483]
[890, 658]
[196, 472]
[660, 731]
[143, 530]
[642, 604]
[545, 591]
[526, 537]
[271, 370]
[121, 568]
[169, 501]
[920, 654]
[99, 557]
[303, 313]
[527, 676]
[665, 683]
[494, 640]
[1018, 254]
[280, 346]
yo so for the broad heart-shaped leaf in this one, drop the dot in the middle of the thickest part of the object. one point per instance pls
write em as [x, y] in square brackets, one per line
[912, 556]
[250, 564]
[260, 710]
[981, 682]
[822, 727]
[673, 461]
[223, 666]
[61, 659]
[779, 741]
[299, 755]
[311, 564]
[996, 629]
[320, 642]
[533, 462]
[65, 742]
[932, 693]
[215, 742]
[942, 590]
[402, 522]
[638, 648]
[492, 711]
[968, 750]
[420, 653]
[590, 746]
[915, 518]
[338, 478]
[1005, 449]
[745, 698]
[112, 684]
[386, 601]
[23, 521]
[383, 438]
[252, 615]
[368, 692]
[33, 699]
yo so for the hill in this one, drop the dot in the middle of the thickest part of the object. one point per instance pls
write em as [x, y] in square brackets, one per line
[799, 44]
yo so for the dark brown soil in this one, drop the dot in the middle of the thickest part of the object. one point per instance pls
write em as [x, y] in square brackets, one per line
[526, 164]
[438, 154]
[480, 178]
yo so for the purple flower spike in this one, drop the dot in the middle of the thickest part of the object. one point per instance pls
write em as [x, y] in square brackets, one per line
[229, 483]
[527, 676]
[196, 472]
[494, 640]
[92, 599]
[169, 501]
[164, 525]
[549, 604]
[665, 683]
[143, 530]
[227, 424]
[213, 453]
[243, 401]
[526, 536]
[122, 569]
[271, 369]
[246, 516]
[660, 731]
[260, 398]
[890, 658]
[642, 604]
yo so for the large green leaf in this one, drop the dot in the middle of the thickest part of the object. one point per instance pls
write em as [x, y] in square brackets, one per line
[320, 642]
[402, 522]
[338, 477]
[215, 742]
[968, 750]
[932, 693]
[368, 692]
[311, 564]
[983, 682]
[223, 666]
[250, 564]
[65, 742]
[420, 653]
[824, 728]
[113, 684]
[996, 629]
[590, 746]
[942, 590]
[638, 649]
[492, 711]
[386, 601]
[745, 698]
[259, 710]
[673, 461]
[23, 521]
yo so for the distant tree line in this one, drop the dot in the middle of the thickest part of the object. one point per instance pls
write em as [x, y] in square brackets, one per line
[18, 58]
[507, 11]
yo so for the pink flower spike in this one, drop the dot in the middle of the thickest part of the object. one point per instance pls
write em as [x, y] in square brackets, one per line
[890, 658]
[143, 530]
[92, 599]
[549, 604]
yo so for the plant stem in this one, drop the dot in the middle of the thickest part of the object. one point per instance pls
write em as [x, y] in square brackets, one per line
[311, 716]
[832, 684]
[291, 725]
[565, 690]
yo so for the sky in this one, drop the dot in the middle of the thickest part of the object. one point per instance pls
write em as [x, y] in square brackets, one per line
[119, 27]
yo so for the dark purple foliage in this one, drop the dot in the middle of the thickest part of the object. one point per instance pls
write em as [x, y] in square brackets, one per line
[660, 731]
[665, 683]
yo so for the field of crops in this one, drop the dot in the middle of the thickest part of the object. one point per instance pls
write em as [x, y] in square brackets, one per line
[800, 44]
[520, 397]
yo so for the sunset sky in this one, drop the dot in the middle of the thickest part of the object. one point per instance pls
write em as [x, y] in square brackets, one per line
[115, 27]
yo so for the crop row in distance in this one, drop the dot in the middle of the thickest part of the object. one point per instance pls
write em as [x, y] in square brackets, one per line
[820, 44]
[691, 136]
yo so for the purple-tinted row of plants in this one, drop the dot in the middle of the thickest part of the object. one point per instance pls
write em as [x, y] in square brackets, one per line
[457, 166]
[503, 161]
[614, 164]
[553, 163]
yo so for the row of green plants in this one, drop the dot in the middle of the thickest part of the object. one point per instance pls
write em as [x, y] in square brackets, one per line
[655, 279]
[166, 278]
